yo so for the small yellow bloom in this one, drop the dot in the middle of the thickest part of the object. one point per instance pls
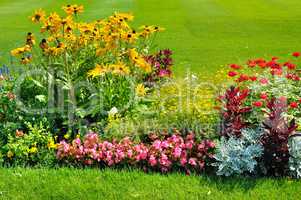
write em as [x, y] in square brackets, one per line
[139, 60]
[26, 60]
[33, 150]
[73, 9]
[51, 145]
[38, 16]
[97, 71]
[140, 90]
[124, 16]
[10, 154]
[67, 136]
[30, 39]
[21, 50]
[120, 68]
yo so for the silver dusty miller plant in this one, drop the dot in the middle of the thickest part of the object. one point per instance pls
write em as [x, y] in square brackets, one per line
[238, 155]
[295, 155]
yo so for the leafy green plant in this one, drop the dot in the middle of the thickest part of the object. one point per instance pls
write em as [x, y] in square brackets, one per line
[34, 147]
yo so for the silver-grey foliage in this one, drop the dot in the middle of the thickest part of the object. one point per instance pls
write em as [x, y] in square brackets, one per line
[295, 156]
[238, 155]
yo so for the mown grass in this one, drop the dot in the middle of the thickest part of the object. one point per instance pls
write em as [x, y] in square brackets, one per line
[64, 183]
[204, 34]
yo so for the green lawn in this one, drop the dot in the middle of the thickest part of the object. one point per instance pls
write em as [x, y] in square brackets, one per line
[109, 184]
[205, 34]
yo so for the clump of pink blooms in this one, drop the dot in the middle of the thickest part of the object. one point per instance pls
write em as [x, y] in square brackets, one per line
[169, 153]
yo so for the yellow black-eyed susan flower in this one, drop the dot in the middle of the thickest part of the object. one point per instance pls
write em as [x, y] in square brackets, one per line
[30, 39]
[97, 71]
[73, 9]
[38, 16]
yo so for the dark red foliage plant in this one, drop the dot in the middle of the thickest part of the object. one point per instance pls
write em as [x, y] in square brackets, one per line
[233, 111]
[275, 139]
[161, 63]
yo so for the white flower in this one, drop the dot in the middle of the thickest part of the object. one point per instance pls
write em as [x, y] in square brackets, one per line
[113, 111]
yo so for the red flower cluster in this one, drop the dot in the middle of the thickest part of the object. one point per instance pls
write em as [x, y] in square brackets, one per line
[275, 67]
[173, 151]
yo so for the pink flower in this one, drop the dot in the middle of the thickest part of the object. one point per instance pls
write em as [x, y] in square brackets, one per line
[177, 152]
[192, 161]
[152, 160]
[157, 144]
[264, 81]
[183, 161]
[164, 144]
[232, 73]
[189, 144]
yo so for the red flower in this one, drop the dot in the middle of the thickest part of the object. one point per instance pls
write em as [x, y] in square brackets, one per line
[294, 104]
[296, 54]
[232, 73]
[290, 66]
[262, 64]
[263, 96]
[276, 72]
[253, 78]
[257, 104]
[251, 63]
[243, 78]
[235, 66]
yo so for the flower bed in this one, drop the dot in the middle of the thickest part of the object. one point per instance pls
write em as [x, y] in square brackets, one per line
[101, 94]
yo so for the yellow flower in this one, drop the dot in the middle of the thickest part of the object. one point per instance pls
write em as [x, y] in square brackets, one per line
[143, 65]
[139, 60]
[97, 71]
[51, 145]
[26, 60]
[21, 50]
[67, 136]
[140, 90]
[73, 9]
[38, 16]
[131, 36]
[30, 39]
[101, 51]
[10, 154]
[67, 21]
[33, 150]
[120, 68]
[148, 30]
[125, 16]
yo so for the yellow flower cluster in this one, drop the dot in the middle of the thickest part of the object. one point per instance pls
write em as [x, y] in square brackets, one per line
[106, 39]
[118, 68]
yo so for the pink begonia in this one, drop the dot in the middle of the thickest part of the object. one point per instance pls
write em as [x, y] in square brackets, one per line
[157, 144]
[152, 160]
[192, 161]
[189, 144]
[177, 152]
[165, 153]
[183, 161]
